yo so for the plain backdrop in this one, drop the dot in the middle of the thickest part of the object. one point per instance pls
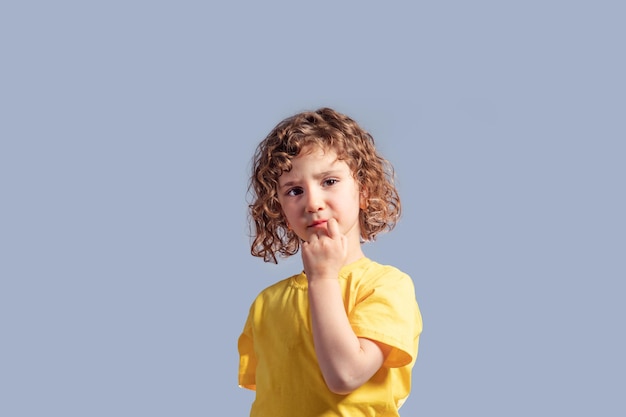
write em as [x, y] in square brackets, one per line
[126, 132]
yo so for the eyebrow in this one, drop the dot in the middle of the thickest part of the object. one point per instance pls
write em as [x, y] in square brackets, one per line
[329, 173]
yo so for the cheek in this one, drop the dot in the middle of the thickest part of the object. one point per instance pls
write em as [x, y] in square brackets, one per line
[282, 209]
[288, 211]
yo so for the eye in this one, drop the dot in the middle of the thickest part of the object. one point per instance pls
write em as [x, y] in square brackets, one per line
[330, 181]
[294, 191]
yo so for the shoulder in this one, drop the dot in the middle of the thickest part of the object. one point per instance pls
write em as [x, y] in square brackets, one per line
[377, 274]
[276, 289]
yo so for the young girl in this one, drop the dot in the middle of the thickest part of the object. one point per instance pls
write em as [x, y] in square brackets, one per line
[340, 338]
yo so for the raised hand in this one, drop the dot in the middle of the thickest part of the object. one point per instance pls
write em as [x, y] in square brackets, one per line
[325, 252]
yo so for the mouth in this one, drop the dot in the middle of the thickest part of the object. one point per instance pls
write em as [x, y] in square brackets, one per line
[317, 223]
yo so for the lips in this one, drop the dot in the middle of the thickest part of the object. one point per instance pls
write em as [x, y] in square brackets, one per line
[318, 223]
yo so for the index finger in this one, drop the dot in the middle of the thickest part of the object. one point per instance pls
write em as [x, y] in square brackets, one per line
[333, 228]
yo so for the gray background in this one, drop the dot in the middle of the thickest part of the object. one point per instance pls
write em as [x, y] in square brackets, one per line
[126, 133]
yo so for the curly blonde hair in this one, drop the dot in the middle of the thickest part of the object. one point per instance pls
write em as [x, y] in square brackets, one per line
[327, 129]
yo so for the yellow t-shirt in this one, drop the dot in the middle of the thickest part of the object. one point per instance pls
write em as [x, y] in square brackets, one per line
[277, 357]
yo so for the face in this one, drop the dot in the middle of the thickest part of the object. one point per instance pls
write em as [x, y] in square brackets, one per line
[320, 187]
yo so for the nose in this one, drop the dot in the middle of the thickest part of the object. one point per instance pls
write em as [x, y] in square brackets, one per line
[314, 201]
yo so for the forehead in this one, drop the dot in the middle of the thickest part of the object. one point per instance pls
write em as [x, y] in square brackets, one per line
[314, 160]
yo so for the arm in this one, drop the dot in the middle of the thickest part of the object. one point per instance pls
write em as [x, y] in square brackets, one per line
[346, 361]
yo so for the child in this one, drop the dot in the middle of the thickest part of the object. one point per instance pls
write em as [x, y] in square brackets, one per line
[340, 338]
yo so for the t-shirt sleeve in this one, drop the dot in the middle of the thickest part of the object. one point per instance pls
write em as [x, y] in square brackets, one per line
[247, 358]
[388, 313]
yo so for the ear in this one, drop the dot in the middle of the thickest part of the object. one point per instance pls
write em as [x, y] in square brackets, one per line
[363, 196]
